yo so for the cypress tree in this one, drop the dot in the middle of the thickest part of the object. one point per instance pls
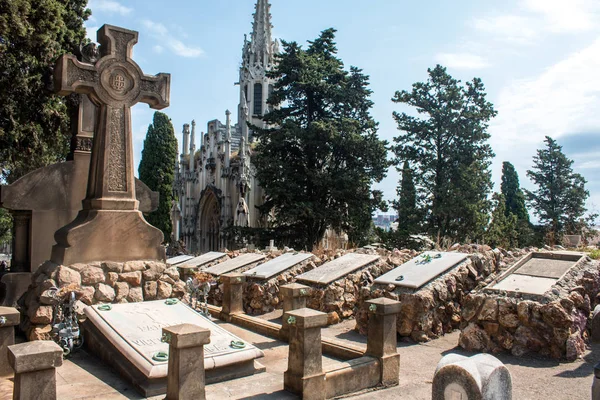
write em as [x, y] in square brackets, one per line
[406, 205]
[157, 169]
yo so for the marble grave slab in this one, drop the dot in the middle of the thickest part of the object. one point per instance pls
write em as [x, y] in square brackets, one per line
[202, 260]
[418, 271]
[545, 267]
[178, 259]
[235, 263]
[338, 268]
[525, 284]
[129, 335]
[277, 265]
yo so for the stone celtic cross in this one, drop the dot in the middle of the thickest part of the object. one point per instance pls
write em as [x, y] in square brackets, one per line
[115, 83]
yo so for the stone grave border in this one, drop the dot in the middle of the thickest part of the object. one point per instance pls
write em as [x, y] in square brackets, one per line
[554, 324]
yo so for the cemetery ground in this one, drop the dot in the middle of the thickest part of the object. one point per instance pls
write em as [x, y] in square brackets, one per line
[534, 377]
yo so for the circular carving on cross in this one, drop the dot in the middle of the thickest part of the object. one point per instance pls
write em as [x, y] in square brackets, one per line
[119, 81]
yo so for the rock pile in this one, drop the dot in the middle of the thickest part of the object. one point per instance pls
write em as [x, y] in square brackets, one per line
[100, 282]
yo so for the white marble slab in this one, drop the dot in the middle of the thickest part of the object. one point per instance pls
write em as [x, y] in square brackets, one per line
[338, 268]
[202, 260]
[235, 263]
[135, 329]
[525, 284]
[277, 265]
[178, 259]
[417, 272]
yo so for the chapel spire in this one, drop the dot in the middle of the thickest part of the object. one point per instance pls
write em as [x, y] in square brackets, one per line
[261, 48]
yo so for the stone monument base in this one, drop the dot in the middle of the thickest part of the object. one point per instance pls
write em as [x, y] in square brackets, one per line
[127, 337]
[123, 234]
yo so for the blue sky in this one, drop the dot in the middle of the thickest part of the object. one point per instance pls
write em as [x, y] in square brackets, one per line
[539, 60]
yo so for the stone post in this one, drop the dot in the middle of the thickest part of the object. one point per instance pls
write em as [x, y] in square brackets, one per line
[596, 383]
[35, 365]
[381, 338]
[9, 317]
[233, 294]
[185, 377]
[482, 376]
[294, 298]
[305, 375]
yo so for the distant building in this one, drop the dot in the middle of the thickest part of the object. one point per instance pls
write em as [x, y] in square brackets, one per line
[385, 221]
[216, 184]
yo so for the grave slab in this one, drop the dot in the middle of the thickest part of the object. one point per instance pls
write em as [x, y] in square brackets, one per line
[525, 284]
[235, 263]
[418, 271]
[334, 270]
[545, 268]
[201, 260]
[277, 265]
[178, 259]
[128, 337]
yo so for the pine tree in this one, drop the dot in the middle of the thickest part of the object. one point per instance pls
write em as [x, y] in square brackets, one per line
[559, 201]
[34, 122]
[157, 169]
[448, 152]
[318, 161]
[502, 231]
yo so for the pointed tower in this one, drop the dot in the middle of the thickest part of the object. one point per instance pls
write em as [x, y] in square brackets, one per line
[258, 57]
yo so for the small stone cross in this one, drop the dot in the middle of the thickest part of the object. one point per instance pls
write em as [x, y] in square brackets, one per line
[110, 226]
[115, 83]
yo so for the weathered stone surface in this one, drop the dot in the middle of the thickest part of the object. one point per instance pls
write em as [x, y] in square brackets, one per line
[473, 338]
[112, 278]
[41, 332]
[40, 314]
[172, 272]
[135, 295]
[92, 275]
[153, 271]
[164, 290]
[133, 278]
[179, 289]
[113, 266]
[87, 294]
[104, 293]
[66, 276]
[133, 266]
[150, 289]
[489, 310]
[121, 291]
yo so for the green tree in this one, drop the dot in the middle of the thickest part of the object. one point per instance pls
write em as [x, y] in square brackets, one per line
[321, 155]
[559, 201]
[449, 153]
[502, 231]
[157, 169]
[515, 203]
[5, 226]
[406, 205]
[34, 123]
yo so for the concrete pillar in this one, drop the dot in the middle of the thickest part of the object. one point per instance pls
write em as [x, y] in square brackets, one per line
[305, 375]
[9, 318]
[381, 339]
[35, 365]
[482, 376]
[233, 294]
[294, 298]
[185, 377]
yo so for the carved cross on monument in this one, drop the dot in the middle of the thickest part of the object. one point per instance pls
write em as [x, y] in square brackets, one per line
[110, 227]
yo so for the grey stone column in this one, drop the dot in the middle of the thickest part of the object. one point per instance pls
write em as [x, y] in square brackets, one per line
[35, 365]
[185, 377]
[381, 340]
[233, 294]
[294, 298]
[9, 317]
[305, 375]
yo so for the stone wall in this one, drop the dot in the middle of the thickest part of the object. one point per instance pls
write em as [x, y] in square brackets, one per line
[435, 309]
[554, 324]
[100, 282]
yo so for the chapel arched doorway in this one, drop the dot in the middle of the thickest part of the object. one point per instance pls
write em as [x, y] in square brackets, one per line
[209, 223]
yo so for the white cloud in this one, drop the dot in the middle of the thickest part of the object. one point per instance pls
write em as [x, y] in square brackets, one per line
[565, 16]
[462, 60]
[510, 28]
[109, 6]
[158, 49]
[159, 31]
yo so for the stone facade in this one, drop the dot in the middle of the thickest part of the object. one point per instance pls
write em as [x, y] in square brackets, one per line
[99, 282]
[216, 184]
[554, 324]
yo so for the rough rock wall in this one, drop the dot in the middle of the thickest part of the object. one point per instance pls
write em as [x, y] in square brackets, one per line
[553, 325]
[435, 309]
[100, 282]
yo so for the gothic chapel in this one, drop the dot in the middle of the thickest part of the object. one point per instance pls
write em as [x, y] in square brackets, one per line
[216, 183]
